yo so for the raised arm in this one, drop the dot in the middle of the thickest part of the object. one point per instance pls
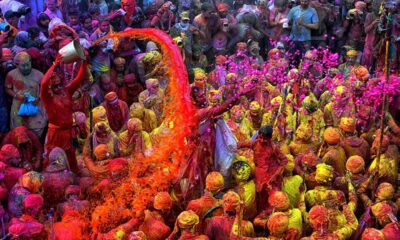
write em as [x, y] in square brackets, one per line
[45, 85]
[74, 85]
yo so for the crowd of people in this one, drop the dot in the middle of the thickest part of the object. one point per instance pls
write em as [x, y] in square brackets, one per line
[295, 103]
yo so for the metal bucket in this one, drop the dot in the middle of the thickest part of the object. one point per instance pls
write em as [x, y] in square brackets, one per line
[72, 52]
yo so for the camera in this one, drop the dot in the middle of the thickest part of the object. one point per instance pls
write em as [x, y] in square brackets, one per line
[14, 6]
[5, 27]
[8, 66]
[353, 13]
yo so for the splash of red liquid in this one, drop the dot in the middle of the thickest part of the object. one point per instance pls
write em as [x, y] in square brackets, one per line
[158, 171]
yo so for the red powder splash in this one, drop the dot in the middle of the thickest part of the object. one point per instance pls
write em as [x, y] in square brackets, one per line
[158, 171]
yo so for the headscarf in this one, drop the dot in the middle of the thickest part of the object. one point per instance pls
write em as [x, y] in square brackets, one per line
[254, 107]
[318, 216]
[278, 223]
[279, 200]
[9, 151]
[22, 39]
[361, 73]
[332, 136]
[119, 61]
[347, 125]
[102, 127]
[355, 164]
[351, 53]
[72, 190]
[79, 117]
[214, 181]
[137, 235]
[118, 165]
[136, 110]
[134, 125]
[309, 159]
[32, 181]
[304, 132]
[310, 103]
[162, 201]
[99, 114]
[152, 58]
[187, 219]
[33, 201]
[276, 101]
[230, 201]
[58, 160]
[220, 59]
[385, 191]
[372, 234]
[324, 173]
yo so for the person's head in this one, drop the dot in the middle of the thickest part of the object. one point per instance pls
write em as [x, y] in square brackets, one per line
[43, 20]
[347, 125]
[135, 125]
[351, 56]
[223, 10]
[200, 77]
[383, 213]
[102, 131]
[214, 97]
[101, 152]
[106, 83]
[94, 11]
[57, 85]
[129, 81]
[280, 5]
[375, 144]
[32, 181]
[355, 164]
[324, 173]
[33, 203]
[255, 109]
[332, 136]
[279, 201]
[266, 132]
[340, 94]
[372, 234]
[86, 21]
[214, 182]
[73, 18]
[385, 192]
[237, 114]
[119, 168]
[231, 78]
[152, 85]
[304, 3]
[119, 64]
[128, 6]
[137, 235]
[206, 9]
[10, 155]
[12, 18]
[23, 62]
[230, 203]
[303, 132]
[241, 170]
[187, 220]
[310, 104]
[319, 218]
[278, 223]
[136, 110]
[184, 19]
[276, 103]
[104, 25]
[198, 96]
[51, 5]
[73, 192]
[162, 202]
[58, 160]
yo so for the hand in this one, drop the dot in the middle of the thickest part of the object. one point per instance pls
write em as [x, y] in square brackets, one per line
[300, 21]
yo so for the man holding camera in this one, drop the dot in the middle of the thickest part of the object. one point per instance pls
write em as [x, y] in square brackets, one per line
[303, 19]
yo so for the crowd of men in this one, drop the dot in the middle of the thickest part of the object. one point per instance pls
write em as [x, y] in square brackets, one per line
[297, 129]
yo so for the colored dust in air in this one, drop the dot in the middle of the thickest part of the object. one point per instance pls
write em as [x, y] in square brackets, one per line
[148, 175]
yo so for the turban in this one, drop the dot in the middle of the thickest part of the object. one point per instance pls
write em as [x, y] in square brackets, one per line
[351, 53]
[136, 110]
[162, 201]
[230, 201]
[391, 231]
[332, 136]
[214, 181]
[7, 54]
[254, 106]
[381, 209]
[372, 234]
[324, 173]
[223, 7]
[361, 73]
[279, 200]
[118, 165]
[111, 97]
[135, 125]
[32, 181]
[355, 164]
[278, 223]
[9, 151]
[33, 201]
[304, 132]
[347, 125]
[101, 152]
[318, 216]
[187, 219]
[276, 101]
[220, 59]
[119, 61]
[72, 190]
[385, 191]
[99, 114]
[22, 57]
[79, 117]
